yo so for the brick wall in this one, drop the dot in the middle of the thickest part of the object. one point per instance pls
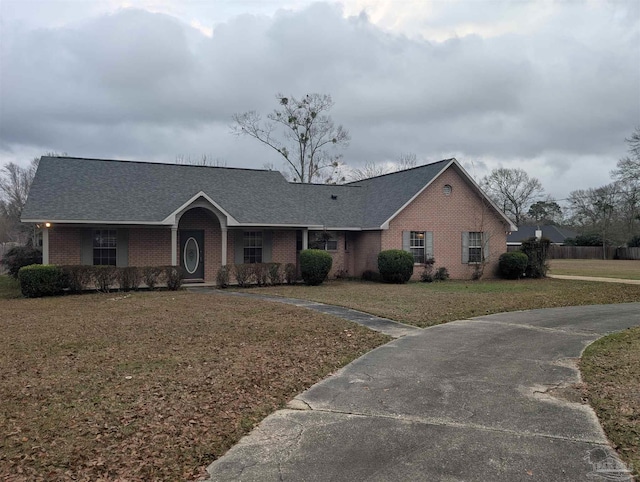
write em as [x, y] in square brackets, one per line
[449, 216]
[64, 245]
[149, 246]
[283, 249]
[365, 251]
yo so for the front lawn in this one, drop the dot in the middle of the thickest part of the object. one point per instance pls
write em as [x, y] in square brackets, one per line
[151, 386]
[610, 268]
[611, 371]
[426, 304]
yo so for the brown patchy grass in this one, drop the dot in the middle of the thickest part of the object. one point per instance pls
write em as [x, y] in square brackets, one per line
[151, 386]
[427, 304]
[611, 268]
[611, 370]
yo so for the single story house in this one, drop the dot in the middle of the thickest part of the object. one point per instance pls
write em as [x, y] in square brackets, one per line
[129, 213]
[555, 234]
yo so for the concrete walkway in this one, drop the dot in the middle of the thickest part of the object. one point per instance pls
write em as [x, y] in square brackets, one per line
[596, 278]
[376, 323]
[487, 399]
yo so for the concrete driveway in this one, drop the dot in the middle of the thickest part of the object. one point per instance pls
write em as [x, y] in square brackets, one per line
[487, 399]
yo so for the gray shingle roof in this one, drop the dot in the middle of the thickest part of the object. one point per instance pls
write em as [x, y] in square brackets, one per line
[555, 234]
[76, 189]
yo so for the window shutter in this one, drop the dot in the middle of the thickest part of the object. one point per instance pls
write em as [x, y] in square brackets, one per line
[122, 248]
[428, 245]
[485, 246]
[406, 240]
[238, 246]
[465, 247]
[267, 242]
[86, 246]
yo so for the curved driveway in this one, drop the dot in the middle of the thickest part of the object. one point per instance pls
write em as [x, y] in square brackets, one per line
[487, 399]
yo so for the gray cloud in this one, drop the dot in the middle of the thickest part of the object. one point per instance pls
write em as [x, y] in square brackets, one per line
[135, 84]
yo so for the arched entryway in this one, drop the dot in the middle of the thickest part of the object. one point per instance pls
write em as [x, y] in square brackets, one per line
[199, 244]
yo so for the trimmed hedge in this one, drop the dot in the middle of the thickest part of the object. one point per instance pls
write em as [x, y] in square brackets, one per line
[395, 265]
[38, 280]
[290, 273]
[315, 265]
[513, 265]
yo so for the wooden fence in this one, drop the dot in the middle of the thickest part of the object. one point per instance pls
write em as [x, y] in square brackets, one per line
[588, 252]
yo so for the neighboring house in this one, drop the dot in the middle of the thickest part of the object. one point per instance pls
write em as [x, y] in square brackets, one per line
[127, 213]
[555, 234]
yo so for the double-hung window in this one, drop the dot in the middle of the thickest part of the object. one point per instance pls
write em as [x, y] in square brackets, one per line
[252, 246]
[104, 246]
[475, 247]
[417, 245]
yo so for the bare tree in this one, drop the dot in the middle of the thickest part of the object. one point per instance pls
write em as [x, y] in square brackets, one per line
[302, 132]
[204, 160]
[372, 169]
[627, 175]
[513, 190]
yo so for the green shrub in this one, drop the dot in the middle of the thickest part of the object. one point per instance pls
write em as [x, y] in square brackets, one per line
[290, 273]
[77, 277]
[20, 256]
[315, 265]
[104, 277]
[634, 242]
[427, 272]
[244, 274]
[536, 251]
[513, 265]
[129, 278]
[370, 275]
[441, 274]
[173, 277]
[151, 275]
[222, 277]
[40, 280]
[275, 276]
[395, 265]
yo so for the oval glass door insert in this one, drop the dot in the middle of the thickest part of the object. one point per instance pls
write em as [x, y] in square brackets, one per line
[191, 255]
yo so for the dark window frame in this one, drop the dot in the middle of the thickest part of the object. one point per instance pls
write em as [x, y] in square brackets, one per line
[105, 247]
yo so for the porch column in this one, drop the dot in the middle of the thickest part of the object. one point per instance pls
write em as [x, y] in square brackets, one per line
[45, 246]
[305, 238]
[224, 246]
[174, 245]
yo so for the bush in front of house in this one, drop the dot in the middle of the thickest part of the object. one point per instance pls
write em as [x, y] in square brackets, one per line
[77, 277]
[441, 274]
[427, 272]
[395, 265]
[20, 256]
[129, 278]
[104, 277]
[536, 251]
[315, 265]
[261, 273]
[38, 280]
[173, 277]
[222, 277]
[244, 274]
[275, 276]
[290, 273]
[513, 265]
[151, 276]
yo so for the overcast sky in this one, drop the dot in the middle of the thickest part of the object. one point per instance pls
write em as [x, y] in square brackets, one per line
[551, 87]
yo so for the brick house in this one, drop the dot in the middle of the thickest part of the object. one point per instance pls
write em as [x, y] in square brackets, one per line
[129, 213]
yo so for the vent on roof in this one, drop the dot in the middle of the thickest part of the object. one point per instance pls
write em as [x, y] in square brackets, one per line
[333, 196]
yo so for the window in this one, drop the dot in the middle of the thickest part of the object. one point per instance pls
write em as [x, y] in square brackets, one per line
[416, 246]
[104, 247]
[475, 247]
[323, 240]
[252, 246]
